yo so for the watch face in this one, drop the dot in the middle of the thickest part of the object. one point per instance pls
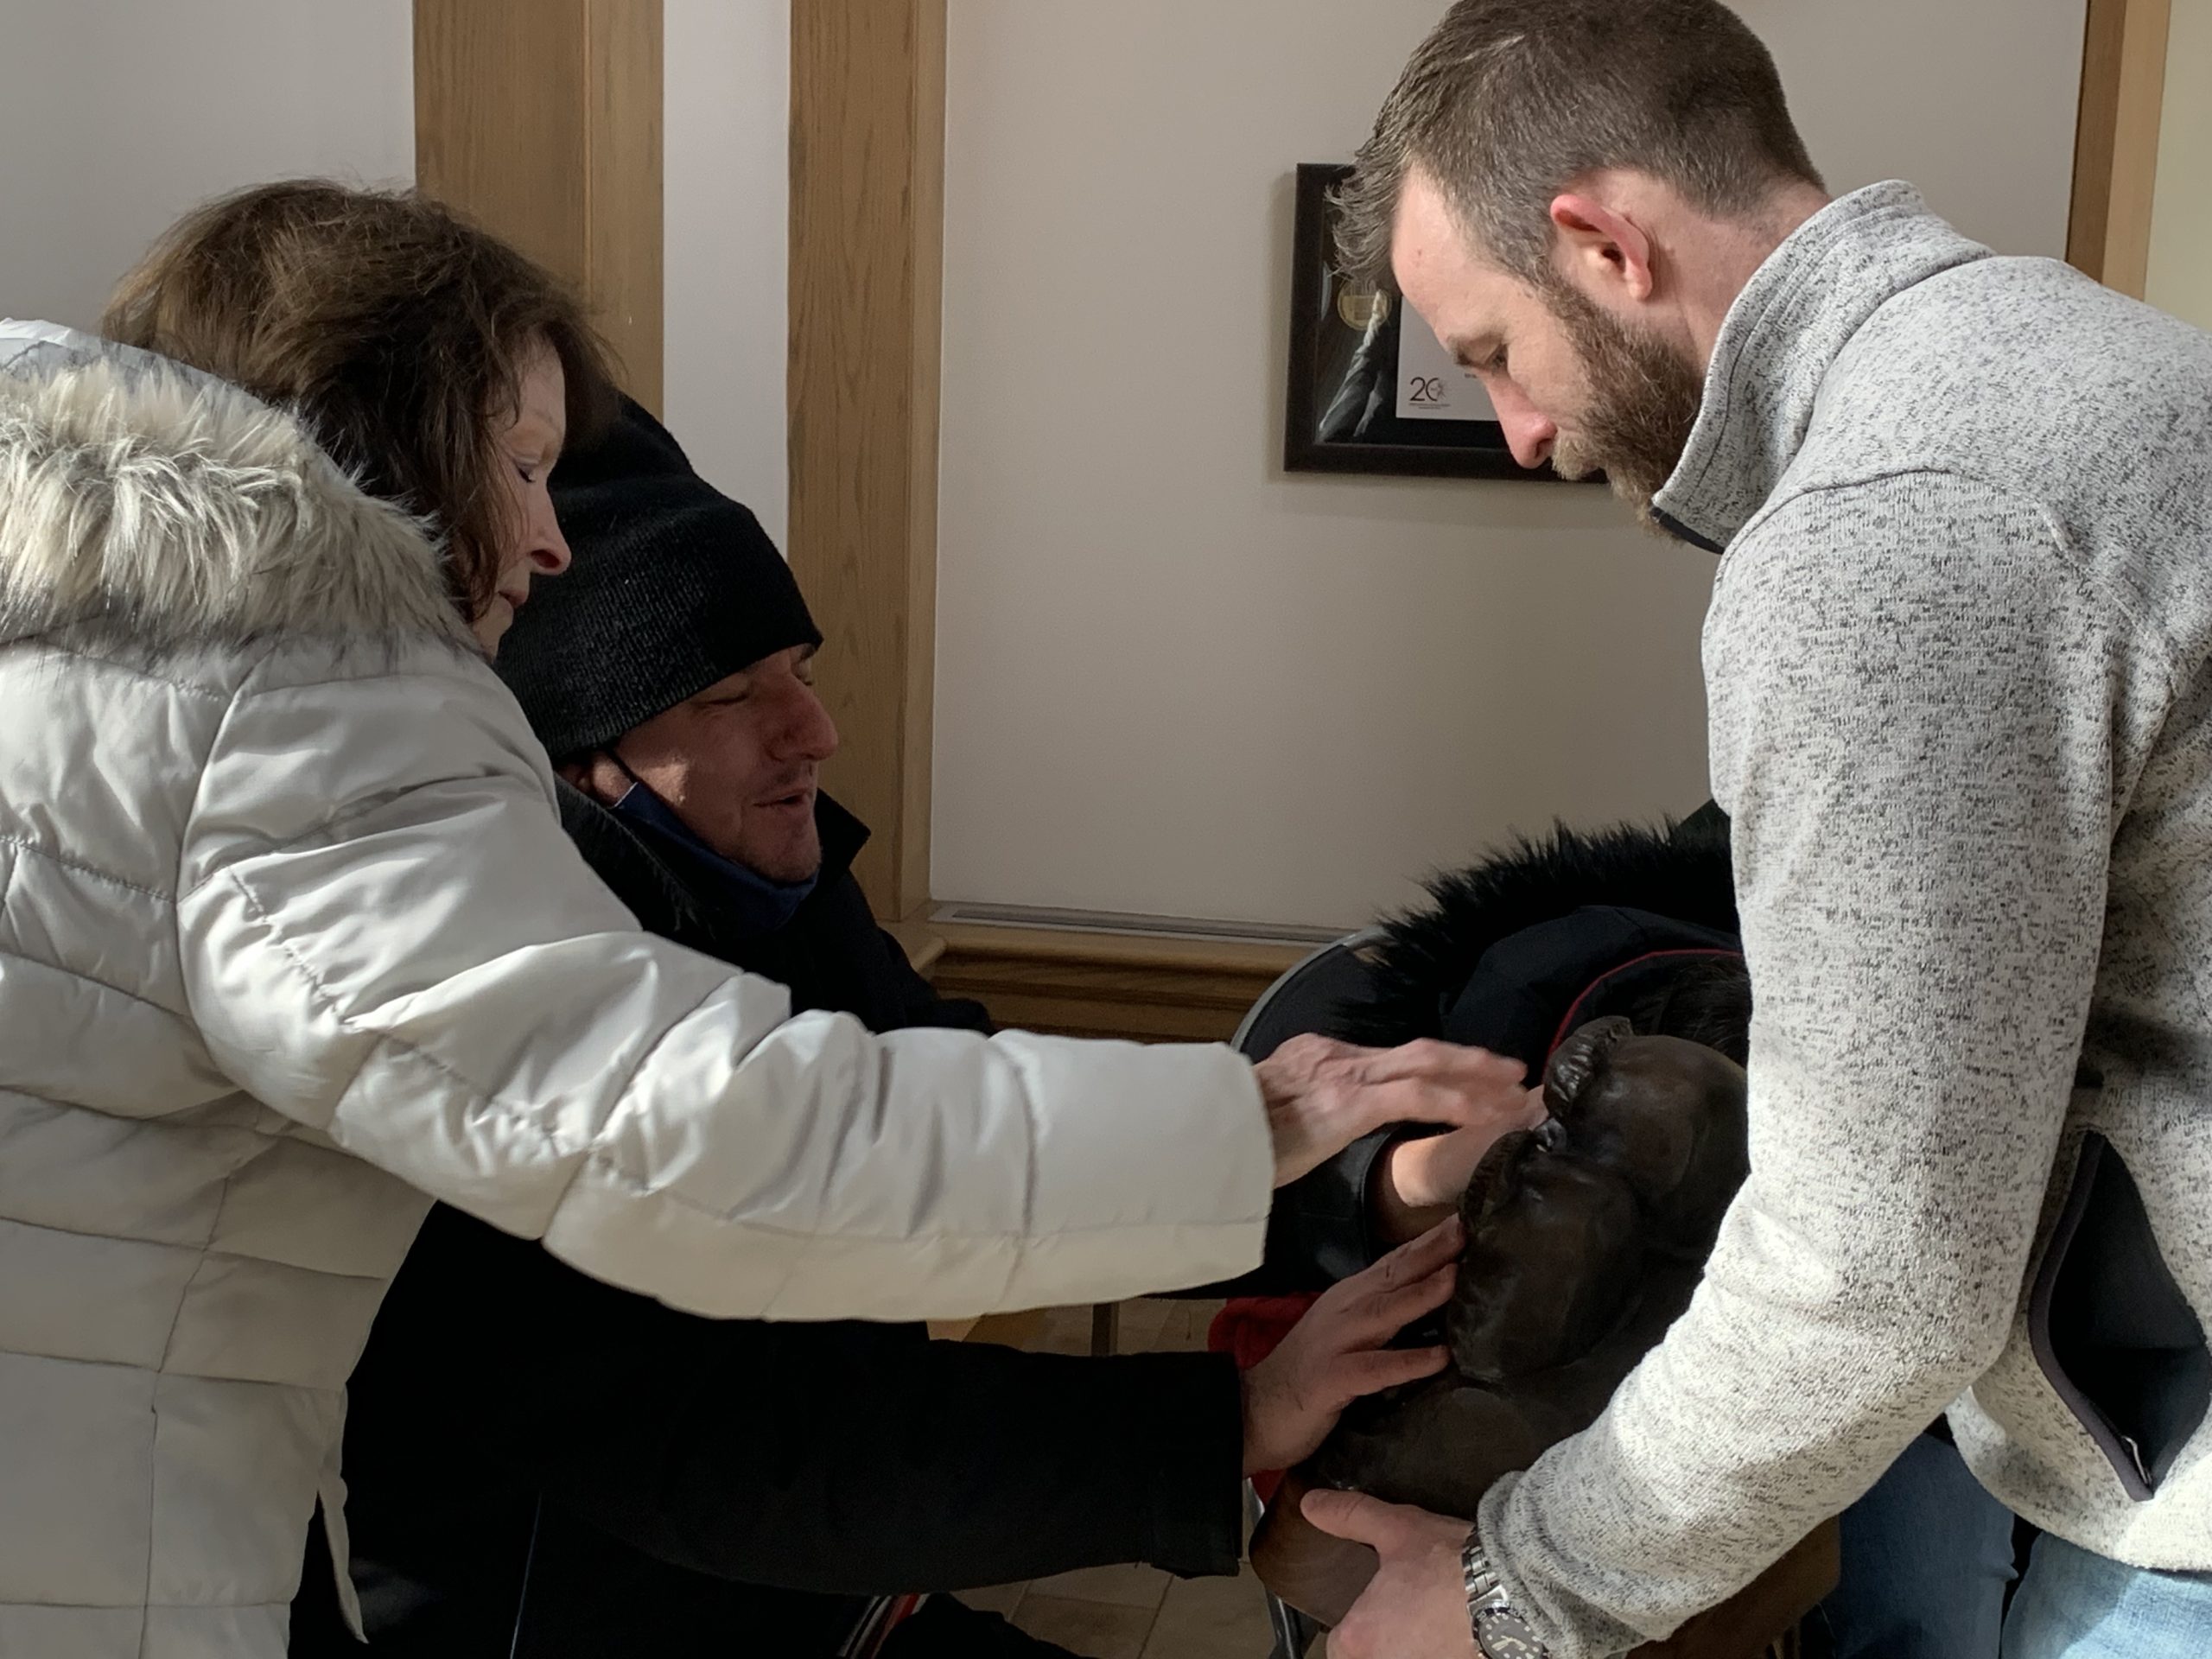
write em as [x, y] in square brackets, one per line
[1502, 1635]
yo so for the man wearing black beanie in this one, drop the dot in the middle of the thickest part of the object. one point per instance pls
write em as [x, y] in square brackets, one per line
[669, 676]
[659, 1484]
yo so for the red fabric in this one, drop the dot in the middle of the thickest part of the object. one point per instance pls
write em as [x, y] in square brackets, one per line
[1248, 1329]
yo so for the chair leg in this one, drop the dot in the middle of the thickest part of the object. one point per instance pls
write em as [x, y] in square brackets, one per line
[1105, 1328]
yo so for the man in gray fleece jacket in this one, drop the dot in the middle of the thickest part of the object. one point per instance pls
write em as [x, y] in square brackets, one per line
[1959, 664]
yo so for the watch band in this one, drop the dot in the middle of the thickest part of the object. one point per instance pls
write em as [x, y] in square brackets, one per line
[1480, 1576]
[1499, 1632]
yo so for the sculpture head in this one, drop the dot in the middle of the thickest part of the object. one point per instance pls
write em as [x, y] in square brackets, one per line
[1585, 1237]
[1642, 1151]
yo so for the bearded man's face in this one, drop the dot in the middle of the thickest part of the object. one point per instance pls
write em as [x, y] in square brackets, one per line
[1572, 383]
[1639, 402]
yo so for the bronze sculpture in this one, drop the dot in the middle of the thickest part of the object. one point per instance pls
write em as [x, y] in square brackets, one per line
[1587, 1237]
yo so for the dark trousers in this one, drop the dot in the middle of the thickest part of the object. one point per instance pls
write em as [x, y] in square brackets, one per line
[586, 1599]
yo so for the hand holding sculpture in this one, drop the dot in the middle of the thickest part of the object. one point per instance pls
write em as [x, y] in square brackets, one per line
[1584, 1238]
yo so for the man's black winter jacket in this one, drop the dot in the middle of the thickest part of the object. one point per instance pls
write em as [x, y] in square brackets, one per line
[650, 1472]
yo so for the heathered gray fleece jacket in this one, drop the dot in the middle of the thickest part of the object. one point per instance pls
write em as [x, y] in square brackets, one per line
[1960, 662]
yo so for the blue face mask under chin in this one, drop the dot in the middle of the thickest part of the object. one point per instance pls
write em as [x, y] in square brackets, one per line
[758, 904]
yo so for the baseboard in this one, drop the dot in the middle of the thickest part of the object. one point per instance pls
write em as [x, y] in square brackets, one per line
[1084, 983]
[1039, 919]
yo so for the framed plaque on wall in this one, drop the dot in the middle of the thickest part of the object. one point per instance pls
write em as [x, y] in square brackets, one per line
[1371, 389]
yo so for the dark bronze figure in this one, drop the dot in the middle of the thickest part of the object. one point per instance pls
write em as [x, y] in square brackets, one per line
[1585, 1239]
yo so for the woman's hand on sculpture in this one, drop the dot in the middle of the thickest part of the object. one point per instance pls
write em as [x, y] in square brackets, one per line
[1418, 1182]
[1323, 1094]
[1338, 1352]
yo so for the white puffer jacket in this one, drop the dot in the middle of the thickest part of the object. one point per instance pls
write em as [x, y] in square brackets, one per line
[290, 938]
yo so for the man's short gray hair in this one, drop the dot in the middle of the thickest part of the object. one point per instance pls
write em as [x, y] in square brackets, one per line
[1507, 102]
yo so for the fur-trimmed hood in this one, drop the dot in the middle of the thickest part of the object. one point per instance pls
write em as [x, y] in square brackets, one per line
[149, 503]
[1679, 871]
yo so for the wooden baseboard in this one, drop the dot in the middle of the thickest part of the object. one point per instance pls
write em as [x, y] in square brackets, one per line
[1008, 1329]
[1083, 984]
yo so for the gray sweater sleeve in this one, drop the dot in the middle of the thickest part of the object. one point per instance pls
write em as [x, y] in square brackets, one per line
[1913, 727]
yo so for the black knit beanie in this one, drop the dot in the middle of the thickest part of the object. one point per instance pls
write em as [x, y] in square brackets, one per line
[675, 586]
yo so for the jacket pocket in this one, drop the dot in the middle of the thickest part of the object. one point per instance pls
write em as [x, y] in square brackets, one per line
[2113, 1332]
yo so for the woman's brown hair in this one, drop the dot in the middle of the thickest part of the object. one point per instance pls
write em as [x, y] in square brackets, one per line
[398, 330]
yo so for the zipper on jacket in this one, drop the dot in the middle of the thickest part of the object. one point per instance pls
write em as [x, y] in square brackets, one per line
[2119, 1450]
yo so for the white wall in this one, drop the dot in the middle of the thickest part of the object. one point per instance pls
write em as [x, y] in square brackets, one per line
[2180, 278]
[119, 114]
[1172, 679]
[727, 179]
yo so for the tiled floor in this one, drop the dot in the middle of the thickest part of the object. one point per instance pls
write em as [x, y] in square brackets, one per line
[1137, 1612]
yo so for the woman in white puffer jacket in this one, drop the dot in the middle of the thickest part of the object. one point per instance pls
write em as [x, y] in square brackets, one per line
[291, 942]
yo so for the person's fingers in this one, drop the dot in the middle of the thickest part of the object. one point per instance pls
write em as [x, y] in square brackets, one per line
[1409, 1267]
[1355, 1516]
[1410, 1100]
[1372, 1294]
[1489, 1099]
[1376, 1320]
[1402, 1306]
[1427, 1100]
[1373, 1369]
[1417, 1258]
[1430, 1057]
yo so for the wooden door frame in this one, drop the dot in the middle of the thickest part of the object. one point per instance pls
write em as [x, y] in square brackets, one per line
[2116, 141]
[541, 119]
[867, 285]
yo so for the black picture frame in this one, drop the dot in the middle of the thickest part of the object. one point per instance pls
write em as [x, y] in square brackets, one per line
[1340, 415]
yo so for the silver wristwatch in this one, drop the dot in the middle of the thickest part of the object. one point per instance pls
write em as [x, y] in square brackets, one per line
[1500, 1633]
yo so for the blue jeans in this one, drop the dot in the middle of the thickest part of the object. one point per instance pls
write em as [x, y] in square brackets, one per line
[1927, 1555]
[2076, 1605]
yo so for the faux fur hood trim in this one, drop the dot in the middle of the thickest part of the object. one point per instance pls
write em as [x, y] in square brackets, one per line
[144, 502]
[1681, 870]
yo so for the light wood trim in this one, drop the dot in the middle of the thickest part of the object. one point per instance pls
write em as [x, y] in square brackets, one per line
[923, 948]
[624, 242]
[867, 275]
[541, 119]
[2116, 141]
[1108, 985]
[918, 718]
[1008, 1329]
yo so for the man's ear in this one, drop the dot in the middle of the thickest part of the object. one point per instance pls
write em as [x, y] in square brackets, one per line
[1603, 248]
[599, 775]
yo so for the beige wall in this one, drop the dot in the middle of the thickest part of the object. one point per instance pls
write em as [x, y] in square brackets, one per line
[2181, 211]
[119, 114]
[1172, 679]
[725, 170]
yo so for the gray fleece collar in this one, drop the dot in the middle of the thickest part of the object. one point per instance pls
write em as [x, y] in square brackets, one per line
[1781, 338]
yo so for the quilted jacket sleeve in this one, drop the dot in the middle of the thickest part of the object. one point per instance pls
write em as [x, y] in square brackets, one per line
[387, 936]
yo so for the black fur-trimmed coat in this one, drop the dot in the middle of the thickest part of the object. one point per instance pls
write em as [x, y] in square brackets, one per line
[1568, 908]
[1678, 870]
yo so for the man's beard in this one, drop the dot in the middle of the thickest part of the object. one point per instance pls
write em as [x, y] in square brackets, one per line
[1643, 400]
